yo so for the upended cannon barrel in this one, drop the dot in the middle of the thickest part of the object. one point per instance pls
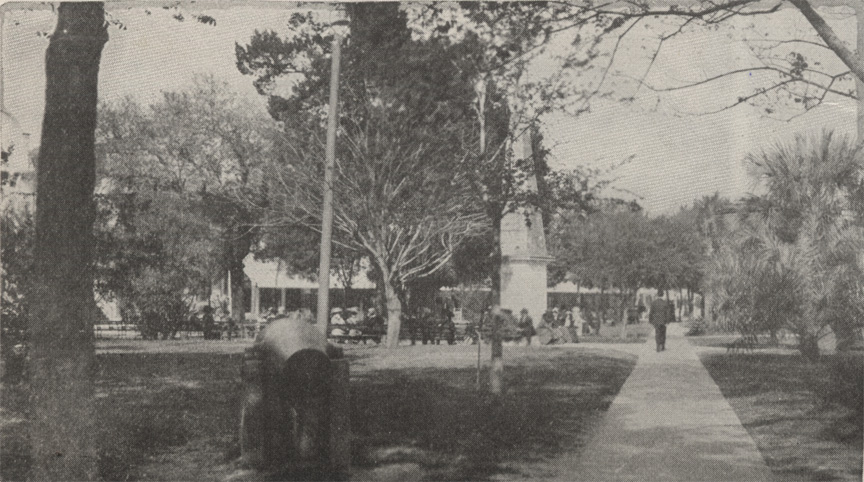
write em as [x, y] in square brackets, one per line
[295, 419]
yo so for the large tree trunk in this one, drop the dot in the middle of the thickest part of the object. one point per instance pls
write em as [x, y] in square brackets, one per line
[394, 313]
[623, 317]
[62, 359]
[393, 304]
[708, 307]
[238, 295]
[238, 250]
[628, 300]
[690, 302]
[601, 310]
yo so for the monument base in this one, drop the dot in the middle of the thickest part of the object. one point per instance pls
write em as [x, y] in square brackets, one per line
[523, 285]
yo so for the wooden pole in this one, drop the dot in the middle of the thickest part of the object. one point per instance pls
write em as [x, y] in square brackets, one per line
[859, 85]
[327, 209]
[496, 371]
[480, 347]
[480, 87]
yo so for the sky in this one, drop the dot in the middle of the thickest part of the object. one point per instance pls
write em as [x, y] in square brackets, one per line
[679, 152]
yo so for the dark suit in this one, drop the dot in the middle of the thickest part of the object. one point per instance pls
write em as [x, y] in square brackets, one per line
[660, 316]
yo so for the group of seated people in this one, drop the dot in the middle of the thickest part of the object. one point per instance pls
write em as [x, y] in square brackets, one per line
[554, 326]
[351, 323]
[430, 326]
[424, 324]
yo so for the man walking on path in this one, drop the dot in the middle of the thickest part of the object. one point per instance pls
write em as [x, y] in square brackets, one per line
[670, 423]
[659, 318]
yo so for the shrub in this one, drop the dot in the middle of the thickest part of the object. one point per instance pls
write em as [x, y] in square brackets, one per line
[697, 327]
[845, 388]
[159, 302]
[17, 256]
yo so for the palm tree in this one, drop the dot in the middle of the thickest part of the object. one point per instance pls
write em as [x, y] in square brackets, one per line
[815, 176]
[712, 214]
[802, 227]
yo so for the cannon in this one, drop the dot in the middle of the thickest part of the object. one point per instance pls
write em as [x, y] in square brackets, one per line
[294, 419]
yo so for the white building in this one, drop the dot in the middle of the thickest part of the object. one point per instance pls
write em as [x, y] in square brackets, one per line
[17, 173]
[271, 285]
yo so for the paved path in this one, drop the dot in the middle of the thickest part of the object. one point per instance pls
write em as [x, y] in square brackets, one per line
[670, 422]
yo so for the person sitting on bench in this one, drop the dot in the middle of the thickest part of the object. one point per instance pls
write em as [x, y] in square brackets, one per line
[337, 323]
[352, 321]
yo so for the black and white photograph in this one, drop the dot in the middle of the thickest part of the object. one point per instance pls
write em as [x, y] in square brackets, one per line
[577, 240]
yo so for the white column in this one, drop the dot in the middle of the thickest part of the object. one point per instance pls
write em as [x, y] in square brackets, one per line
[230, 294]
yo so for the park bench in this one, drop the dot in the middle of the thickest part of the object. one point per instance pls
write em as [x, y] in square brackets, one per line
[361, 333]
[466, 334]
[745, 344]
[377, 338]
[115, 330]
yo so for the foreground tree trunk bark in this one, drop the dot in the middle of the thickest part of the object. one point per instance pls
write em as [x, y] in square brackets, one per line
[626, 302]
[392, 303]
[239, 248]
[238, 297]
[62, 359]
[394, 313]
[601, 310]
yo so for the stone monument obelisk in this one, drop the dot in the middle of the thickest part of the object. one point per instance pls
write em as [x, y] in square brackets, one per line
[523, 251]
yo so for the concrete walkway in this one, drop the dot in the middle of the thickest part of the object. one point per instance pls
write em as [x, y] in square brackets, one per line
[670, 422]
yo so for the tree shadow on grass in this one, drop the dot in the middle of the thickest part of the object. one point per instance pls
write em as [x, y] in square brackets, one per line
[803, 419]
[15, 448]
[151, 402]
[175, 415]
[438, 422]
[145, 404]
[737, 377]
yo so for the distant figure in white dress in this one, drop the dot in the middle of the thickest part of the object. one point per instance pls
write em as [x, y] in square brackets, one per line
[578, 321]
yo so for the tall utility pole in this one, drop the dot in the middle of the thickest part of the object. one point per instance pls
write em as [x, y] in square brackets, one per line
[327, 209]
[859, 83]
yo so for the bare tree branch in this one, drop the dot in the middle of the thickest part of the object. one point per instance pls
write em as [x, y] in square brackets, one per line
[853, 61]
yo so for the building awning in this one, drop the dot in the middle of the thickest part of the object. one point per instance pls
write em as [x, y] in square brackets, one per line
[274, 274]
[569, 287]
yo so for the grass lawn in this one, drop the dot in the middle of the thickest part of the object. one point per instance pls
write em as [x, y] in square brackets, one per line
[723, 340]
[785, 403]
[416, 414]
